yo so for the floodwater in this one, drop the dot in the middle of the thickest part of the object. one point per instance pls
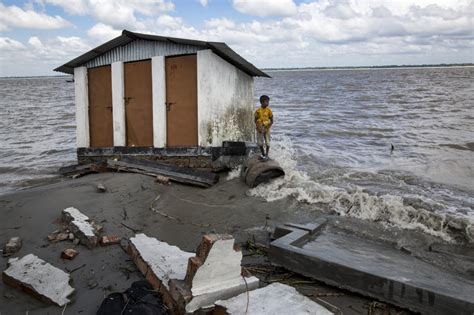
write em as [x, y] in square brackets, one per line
[333, 134]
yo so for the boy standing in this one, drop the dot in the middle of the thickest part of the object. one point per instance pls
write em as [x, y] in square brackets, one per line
[263, 122]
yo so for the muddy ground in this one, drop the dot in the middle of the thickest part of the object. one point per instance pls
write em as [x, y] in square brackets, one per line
[177, 214]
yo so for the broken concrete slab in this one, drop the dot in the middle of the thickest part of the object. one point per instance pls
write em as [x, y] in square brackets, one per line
[373, 269]
[214, 273]
[12, 246]
[159, 262]
[81, 226]
[189, 282]
[38, 278]
[179, 174]
[276, 298]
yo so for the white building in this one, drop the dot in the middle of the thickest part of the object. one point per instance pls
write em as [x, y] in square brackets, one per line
[159, 96]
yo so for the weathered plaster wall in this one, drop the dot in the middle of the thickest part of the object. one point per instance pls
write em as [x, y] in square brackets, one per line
[159, 98]
[225, 101]
[118, 104]
[82, 107]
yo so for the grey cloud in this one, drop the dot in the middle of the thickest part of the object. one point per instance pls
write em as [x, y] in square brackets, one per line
[434, 10]
[381, 12]
[340, 11]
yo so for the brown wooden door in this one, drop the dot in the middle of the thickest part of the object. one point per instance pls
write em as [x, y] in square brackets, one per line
[100, 107]
[181, 101]
[138, 103]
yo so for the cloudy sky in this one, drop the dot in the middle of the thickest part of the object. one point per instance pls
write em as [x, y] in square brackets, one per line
[39, 35]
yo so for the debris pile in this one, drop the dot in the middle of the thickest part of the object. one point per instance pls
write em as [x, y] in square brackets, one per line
[161, 171]
[190, 281]
[39, 278]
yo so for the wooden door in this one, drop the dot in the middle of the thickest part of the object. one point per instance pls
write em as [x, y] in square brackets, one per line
[138, 103]
[181, 101]
[100, 107]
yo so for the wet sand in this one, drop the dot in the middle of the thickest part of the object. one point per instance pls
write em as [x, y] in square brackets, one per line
[183, 214]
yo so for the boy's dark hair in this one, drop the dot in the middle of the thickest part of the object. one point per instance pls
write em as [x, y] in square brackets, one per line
[264, 98]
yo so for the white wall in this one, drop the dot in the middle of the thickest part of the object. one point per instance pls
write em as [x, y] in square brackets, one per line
[159, 98]
[81, 92]
[225, 101]
[118, 104]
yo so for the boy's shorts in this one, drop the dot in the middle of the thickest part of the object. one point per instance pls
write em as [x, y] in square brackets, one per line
[263, 137]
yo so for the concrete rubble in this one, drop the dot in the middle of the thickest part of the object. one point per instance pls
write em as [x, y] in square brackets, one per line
[158, 262]
[101, 188]
[12, 246]
[38, 278]
[276, 298]
[189, 282]
[69, 253]
[109, 240]
[214, 273]
[58, 236]
[81, 226]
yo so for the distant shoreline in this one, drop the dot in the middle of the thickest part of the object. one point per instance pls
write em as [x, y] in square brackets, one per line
[454, 65]
[457, 65]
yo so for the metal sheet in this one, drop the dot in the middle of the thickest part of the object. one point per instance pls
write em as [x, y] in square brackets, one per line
[181, 100]
[139, 50]
[138, 103]
[100, 107]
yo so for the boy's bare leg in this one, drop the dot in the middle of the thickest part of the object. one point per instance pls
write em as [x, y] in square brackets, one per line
[268, 149]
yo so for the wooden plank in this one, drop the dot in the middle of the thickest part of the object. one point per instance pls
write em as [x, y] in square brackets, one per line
[82, 169]
[175, 173]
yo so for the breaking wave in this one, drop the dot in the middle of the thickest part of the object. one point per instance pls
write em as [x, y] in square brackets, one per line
[234, 173]
[353, 201]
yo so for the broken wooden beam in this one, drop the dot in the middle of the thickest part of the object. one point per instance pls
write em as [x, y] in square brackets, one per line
[178, 174]
[82, 169]
[38, 278]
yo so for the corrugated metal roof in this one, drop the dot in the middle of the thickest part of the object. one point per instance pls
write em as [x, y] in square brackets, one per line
[140, 49]
[221, 49]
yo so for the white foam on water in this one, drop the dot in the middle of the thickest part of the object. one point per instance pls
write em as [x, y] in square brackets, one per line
[386, 209]
[234, 173]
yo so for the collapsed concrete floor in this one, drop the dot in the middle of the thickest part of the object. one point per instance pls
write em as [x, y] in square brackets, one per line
[176, 214]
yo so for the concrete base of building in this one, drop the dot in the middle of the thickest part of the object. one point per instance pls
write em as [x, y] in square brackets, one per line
[231, 154]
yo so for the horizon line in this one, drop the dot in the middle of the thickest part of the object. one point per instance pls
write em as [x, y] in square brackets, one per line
[437, 65]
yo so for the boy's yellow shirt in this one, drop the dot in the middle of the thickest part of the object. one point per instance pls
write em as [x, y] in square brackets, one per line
[263, 116]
